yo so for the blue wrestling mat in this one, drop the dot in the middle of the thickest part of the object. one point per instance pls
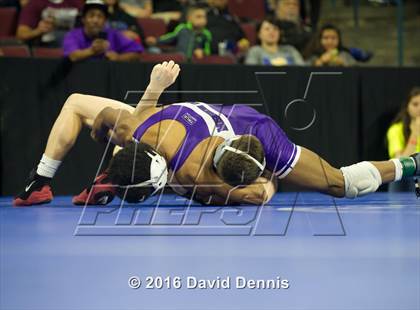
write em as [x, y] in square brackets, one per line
[302, 251]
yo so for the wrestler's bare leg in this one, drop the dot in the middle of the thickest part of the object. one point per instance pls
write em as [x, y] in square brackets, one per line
[313, 172]
[78, 111]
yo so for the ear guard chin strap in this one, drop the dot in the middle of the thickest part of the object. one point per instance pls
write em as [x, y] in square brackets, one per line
[158, 173]
[226, 146]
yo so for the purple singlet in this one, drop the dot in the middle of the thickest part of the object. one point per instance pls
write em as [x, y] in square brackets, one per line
[202, 120]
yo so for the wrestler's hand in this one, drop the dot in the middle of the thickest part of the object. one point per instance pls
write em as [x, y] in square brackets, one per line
[164, 75]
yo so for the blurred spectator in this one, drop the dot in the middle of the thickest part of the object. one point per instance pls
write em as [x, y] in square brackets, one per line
[191, 38]
[94, 40]
[45, 22]
[137, 8]
[18, 4]
[118, 19]
[268, 51]
[327, 49]
[225, 28]
[270, 6]
[314, 12]
[170, 10]
[294, 31]
[403, 137]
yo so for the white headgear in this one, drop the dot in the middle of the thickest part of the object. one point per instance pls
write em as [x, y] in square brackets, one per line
[226, 146]
[158, 172]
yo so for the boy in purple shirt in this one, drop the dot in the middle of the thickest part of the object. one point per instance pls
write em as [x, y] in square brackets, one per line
[93, 40]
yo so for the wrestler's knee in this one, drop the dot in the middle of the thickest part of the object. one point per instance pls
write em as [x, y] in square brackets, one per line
[361, 179]
[72, 102]
[335, 183]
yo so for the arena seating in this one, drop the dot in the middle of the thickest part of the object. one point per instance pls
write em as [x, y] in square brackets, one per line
[215, 59]
[8, 20]
[149, 57]
[15, 51]
[250, 32]
[247, 9]
[154, 27]
[42, 52]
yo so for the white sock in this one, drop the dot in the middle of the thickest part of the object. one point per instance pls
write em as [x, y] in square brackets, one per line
[47, 166]
[398, 169]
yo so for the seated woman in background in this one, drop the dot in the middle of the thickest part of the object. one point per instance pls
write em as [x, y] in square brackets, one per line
[119, 20]
[268, 51]
[403, 136]
[327, 49]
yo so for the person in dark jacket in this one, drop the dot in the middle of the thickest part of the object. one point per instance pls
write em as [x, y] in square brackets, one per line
[225, 28]
[119, 20]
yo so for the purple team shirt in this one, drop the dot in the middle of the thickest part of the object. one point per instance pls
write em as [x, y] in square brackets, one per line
[77, 40]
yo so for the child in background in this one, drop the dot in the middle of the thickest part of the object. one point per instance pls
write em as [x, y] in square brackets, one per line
[192, 38]
[327, 49]
[268, 51]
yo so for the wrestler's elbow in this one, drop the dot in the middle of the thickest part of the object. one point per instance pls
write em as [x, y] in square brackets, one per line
[267, 195]
[259, 199]
[263, 194]
[269, 189]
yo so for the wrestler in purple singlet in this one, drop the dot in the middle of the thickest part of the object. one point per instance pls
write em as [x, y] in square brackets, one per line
[202, 120]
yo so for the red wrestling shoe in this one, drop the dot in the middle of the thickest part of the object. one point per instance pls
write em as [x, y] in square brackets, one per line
[37, 191]
[101, 194]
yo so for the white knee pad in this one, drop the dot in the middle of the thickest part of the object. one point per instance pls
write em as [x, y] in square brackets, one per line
[361, 179]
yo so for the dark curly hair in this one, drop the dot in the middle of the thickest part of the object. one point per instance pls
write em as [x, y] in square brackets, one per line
[131, 165]
[236, 169]
[314, 47]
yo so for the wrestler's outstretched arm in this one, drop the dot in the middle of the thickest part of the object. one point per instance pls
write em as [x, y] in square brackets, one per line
[163, 75]
[258, 193]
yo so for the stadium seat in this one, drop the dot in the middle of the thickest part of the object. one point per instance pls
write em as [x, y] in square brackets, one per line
[152, 27]
[15, 51]
[248, 9]
[215, 59]
[8, 19]
[45, 52]
[148, 57]
[250, 32]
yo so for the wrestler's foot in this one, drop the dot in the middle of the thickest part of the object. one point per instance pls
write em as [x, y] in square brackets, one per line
[37, 191]
[100, 193]
[416, 158]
